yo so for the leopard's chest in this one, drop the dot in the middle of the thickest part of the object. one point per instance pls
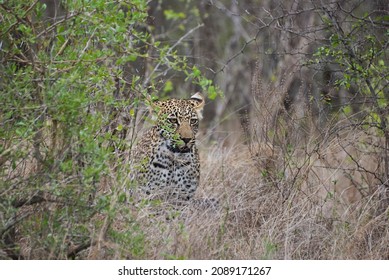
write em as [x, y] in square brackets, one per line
[173, 172]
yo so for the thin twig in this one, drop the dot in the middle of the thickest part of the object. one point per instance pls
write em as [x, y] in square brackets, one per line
[147, 80]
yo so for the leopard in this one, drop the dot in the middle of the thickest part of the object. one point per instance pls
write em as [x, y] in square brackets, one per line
[168, 163]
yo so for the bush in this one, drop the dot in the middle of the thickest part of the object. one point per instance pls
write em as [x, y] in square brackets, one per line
[73, 75]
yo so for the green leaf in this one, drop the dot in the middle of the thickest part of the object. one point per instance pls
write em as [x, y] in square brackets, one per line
[196, 72]
[168, 87]
[172, 15]
[347, 110]
[212, 93]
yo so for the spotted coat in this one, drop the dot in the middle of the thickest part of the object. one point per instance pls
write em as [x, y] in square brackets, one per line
[167, 156]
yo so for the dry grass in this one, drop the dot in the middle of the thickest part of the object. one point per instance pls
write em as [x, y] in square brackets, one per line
[320, 198]
[290, 217]
[311, 196]
[274, 203]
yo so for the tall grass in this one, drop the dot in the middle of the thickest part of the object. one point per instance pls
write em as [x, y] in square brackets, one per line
[282, 196]
[317, 197]
[293, 218]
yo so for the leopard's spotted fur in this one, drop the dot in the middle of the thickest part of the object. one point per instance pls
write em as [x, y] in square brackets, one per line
[167, 154]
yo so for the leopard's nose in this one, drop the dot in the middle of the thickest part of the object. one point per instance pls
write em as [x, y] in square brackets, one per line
[186, 140]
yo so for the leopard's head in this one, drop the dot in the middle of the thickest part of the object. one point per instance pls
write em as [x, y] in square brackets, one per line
[178, 121]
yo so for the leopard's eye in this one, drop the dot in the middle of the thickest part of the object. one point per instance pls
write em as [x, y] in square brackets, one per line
[194, 121]
[172, 120]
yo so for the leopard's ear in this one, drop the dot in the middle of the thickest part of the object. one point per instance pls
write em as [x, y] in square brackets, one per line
[198, 102]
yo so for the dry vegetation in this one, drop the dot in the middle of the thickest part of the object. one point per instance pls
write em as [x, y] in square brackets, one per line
[277, 200]
[320, 200]
[302, 215]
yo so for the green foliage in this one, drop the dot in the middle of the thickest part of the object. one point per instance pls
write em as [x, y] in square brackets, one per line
[64, 77]
[204, 83]
[360, 53]
[172, 15]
